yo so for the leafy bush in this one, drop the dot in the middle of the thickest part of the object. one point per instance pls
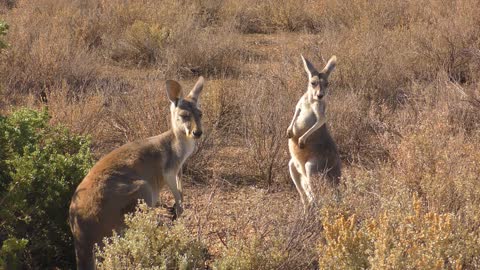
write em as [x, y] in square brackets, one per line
[40, 166]
[148, 244]
[9, 253]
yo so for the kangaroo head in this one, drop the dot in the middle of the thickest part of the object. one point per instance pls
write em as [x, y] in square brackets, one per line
[318, 81]
[185, 114]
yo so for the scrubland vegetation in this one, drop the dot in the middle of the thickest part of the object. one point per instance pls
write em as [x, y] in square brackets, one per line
[403, 107]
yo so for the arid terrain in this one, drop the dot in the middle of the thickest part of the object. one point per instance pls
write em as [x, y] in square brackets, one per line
[403, 106]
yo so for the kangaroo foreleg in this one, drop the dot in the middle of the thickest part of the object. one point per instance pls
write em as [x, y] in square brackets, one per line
[290, 127]
[303, 139]
[174, 182]
[319, 111]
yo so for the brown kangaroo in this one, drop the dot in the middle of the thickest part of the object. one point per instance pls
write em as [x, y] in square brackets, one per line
[313, 151]
[136, 170]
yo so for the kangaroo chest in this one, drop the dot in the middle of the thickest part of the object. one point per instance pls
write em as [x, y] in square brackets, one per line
[187, 150]
[305, 120]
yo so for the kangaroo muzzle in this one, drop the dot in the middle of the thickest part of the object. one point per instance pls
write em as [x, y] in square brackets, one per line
[197, 133]
[197, 127]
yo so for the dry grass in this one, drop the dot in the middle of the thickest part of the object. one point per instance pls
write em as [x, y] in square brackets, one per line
[404, 109]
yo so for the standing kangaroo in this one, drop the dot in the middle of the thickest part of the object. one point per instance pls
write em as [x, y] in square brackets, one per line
[136, 170]
[313, 151]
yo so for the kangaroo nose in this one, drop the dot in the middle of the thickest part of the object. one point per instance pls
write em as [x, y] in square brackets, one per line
[197, 133]
[320, 96]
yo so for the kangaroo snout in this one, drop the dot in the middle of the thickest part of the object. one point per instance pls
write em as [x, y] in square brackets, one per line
[197, 133]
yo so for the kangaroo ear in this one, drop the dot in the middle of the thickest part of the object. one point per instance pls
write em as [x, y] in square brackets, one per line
[330, 66]
[197, 89]
[174, 91]
[309, 68]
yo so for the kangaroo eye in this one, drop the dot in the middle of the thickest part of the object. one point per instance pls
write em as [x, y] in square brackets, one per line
[200, 114]
[314, 83]
[184, 116]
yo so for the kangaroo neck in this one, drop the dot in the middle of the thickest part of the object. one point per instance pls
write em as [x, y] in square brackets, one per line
[182, 144]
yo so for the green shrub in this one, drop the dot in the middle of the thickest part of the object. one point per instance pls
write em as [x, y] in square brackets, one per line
[9, 253]
[40, 166]
[149, 244]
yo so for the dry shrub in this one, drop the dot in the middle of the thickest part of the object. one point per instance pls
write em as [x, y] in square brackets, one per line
[255, 16]
[435, 156]
[463, 112]
[422, 240]
[201, 54]
[70, 42]
[384, 46]
[357, 126]
[142, 44]
[254, 254]
[149, 244]
[265, 126]
[345, 246]
[246, 18]
[139, 114]
[7, 4]
[83, 115]
[441, 168]
[403, 108]
[451, 43]
[44, 50]
[249, 232]
[173, 36]
[417, 240]
[287, 15]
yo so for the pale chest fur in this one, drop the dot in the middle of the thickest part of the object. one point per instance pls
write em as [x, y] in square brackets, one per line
[188, 148]
[306, 118]
[183, 150]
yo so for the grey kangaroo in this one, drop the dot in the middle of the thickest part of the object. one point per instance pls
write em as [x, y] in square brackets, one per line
[313, 151]
[136, 170]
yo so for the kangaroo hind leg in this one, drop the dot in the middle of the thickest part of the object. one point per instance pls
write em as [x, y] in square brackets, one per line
[297, 180]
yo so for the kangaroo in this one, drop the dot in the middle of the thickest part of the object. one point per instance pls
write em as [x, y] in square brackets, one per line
[313, 151]
[136, 170]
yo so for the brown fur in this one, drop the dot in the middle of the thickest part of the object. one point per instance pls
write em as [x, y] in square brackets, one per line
[134, 171]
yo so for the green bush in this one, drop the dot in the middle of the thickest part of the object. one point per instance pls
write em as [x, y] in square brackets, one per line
[10, 251]
[148, 244]
[40, 166]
